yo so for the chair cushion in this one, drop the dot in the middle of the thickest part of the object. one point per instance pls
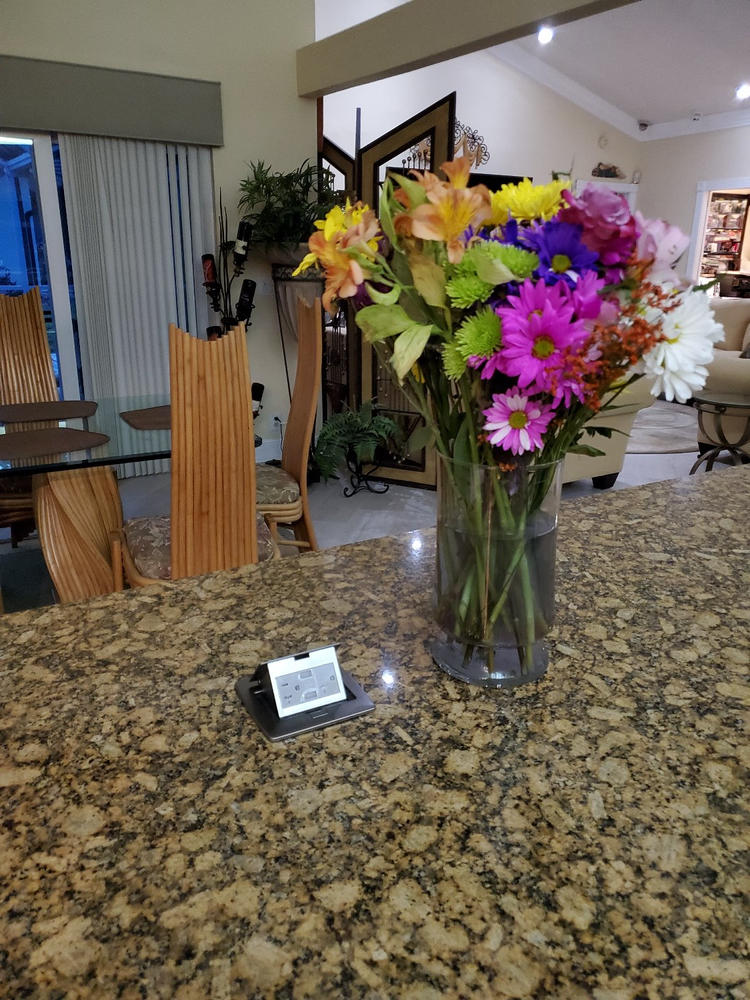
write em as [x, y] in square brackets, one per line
[274, 486]
[149, 540]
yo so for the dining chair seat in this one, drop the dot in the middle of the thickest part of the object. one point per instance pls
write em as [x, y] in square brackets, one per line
[274, 486]
[149, 541]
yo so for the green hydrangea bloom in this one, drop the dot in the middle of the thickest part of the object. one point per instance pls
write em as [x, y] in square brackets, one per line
[465, 290]
[454, 363]
[480, 334]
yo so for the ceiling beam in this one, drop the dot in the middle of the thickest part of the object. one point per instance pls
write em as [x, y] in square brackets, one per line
[424, 32]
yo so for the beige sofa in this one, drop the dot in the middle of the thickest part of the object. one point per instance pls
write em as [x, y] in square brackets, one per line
[604, 469]
[728, 372]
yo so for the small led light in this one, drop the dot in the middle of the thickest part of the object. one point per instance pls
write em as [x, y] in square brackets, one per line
[388, 679]
[743, 92]
[545, 35]
[416, 544]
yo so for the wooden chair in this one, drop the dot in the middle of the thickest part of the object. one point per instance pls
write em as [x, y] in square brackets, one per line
[26, 376]
[214, 523]
[75, 513]
[282, 492]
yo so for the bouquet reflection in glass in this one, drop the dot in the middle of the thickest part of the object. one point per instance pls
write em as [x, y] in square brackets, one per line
[510, 318]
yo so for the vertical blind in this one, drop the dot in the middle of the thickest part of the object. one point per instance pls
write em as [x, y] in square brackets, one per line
[140, 214]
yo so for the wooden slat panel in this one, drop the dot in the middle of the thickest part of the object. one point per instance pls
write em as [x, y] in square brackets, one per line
[26, 373]
[213, 454]
[75, 511]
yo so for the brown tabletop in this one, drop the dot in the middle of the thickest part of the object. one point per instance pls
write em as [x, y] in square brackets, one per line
[49, 441]
[64, 409]
[152, 418]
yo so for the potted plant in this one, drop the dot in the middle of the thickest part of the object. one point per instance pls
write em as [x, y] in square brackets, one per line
[282, 207]
[351, 438]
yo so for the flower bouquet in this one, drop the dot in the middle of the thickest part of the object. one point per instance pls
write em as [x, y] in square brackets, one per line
[510, 318]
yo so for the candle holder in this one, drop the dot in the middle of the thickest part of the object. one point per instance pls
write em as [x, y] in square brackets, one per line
[219, 276]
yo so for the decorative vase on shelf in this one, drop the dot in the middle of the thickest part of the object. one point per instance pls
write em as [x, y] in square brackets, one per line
[495, 587]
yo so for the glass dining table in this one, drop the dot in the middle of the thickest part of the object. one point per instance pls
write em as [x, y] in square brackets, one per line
[124, 444]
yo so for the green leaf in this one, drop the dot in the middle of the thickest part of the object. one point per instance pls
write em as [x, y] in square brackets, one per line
[383, 298]
[429, 279]
[415, 192]
[585, 449]
[408, 347]
[380, 321]
[493, 271]
[421, 437]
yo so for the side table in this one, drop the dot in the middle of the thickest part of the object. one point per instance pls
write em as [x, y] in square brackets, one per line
[717, 404]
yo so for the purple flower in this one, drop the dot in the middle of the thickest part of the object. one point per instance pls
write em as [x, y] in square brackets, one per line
[562, 254]
[609, 228]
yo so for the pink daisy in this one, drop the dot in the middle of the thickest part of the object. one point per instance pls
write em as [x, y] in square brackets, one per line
[531, 299]
[533, 347]
[516, 423]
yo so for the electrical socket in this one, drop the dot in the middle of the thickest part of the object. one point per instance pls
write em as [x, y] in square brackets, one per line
[277, 420]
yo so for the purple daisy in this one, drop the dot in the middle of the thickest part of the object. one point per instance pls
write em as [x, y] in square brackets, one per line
[516, 422]
[562, 254]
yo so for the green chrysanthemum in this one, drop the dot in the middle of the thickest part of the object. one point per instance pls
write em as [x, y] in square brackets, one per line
[465, 290]
[454, 363]
[520, 263]
[480, 334]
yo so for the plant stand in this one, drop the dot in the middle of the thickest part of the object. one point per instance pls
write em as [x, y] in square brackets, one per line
[360, 480]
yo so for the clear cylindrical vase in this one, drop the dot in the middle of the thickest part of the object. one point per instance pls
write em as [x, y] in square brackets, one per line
[495, 589]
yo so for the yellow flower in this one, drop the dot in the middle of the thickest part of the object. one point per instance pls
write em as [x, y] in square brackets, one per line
[340, 220]
[526, 201]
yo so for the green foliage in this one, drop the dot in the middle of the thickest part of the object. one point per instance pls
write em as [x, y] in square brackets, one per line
[355, 434]
[282, 207]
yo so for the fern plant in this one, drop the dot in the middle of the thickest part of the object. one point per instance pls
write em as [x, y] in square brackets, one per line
[352, 437]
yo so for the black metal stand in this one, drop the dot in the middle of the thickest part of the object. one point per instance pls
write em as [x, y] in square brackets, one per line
[360, 480]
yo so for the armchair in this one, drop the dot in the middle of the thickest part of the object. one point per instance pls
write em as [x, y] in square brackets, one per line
[728, 372]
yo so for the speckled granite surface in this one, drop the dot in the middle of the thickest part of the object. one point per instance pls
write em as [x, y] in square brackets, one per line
[583, 838]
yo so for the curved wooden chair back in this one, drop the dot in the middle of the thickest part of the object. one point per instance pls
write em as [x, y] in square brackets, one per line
[75, 512]
[299, 428]
[213, 454]
[26, 376]
[26, 373]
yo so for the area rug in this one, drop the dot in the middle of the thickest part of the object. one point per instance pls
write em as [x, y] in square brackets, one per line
[664, 429]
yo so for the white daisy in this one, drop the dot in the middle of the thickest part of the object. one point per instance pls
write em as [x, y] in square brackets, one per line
[677, 363]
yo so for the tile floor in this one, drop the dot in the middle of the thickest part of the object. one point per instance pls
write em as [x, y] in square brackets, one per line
[338, 519]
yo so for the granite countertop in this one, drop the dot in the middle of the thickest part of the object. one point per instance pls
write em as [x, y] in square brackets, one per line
[583, 837]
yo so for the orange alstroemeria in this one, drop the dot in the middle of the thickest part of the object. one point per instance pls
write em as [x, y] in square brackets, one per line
[450, 209]
[448, 214]
[354, 228]
[343, 273]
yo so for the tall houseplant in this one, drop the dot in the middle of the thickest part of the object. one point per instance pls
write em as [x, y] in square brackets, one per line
[278, 210]
[282, 206]
[511, 318]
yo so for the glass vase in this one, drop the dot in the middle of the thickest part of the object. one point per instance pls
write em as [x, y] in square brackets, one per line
[495, 593]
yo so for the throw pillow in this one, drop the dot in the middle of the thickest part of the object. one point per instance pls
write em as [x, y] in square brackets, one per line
[745, 352]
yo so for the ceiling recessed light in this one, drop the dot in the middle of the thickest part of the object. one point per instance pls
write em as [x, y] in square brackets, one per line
[545, 35]
[743, 92]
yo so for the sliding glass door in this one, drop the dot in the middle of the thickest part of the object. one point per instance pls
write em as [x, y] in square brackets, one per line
[32, 249]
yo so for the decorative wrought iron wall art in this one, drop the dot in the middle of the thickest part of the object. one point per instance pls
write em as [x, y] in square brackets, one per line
[466, 142]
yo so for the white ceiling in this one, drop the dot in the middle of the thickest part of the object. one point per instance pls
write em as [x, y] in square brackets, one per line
[672, 63]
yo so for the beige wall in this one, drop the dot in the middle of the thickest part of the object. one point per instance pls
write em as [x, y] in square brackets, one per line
[528, 128]
[249, 47]
[673, 168]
